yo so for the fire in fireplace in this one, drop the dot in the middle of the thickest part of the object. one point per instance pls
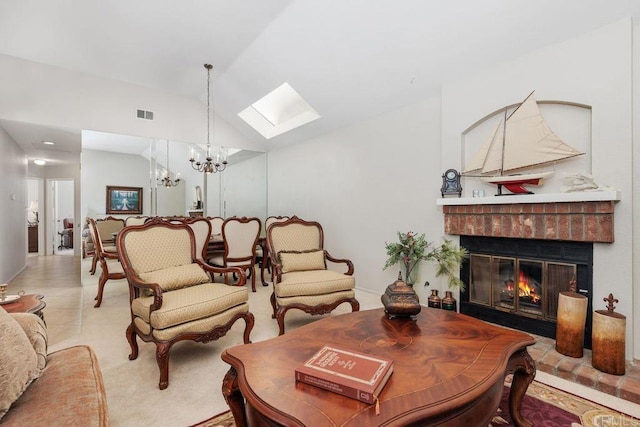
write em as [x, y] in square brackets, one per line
[516, 282]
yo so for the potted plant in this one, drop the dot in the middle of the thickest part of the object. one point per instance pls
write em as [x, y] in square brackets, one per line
[411, 249]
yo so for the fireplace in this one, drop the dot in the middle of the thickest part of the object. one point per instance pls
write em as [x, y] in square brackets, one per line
[515, 282]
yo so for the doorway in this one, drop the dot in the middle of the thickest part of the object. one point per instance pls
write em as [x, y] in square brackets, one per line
[60, 223]
[35, 223]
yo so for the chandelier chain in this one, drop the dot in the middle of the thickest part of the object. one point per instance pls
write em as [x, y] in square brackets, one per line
[209, 119]
[217, 161]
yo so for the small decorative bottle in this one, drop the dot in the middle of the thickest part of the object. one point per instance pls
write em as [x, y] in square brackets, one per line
[449, 302]
[434, 300]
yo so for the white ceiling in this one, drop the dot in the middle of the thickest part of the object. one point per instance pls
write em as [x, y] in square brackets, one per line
[349, 59]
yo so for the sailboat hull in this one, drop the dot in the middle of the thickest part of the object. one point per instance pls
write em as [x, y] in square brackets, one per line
[515, 183]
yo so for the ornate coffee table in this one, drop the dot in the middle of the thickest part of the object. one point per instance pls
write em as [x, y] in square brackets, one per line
[449, 370]
[30, 303]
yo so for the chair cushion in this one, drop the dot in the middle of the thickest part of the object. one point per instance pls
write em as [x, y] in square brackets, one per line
[189, 304]
[200, 326]
[172, 278]
[316, 282]
[314, 300]
[302, 260]
[36, 331]
[69, 392]
[18, 361]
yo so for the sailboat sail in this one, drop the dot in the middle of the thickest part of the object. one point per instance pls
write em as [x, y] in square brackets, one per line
[527, 141]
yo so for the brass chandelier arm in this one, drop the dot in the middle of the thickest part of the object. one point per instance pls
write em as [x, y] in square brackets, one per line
[166, 180]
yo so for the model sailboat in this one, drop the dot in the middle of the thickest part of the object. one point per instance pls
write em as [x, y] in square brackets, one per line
[521, 140]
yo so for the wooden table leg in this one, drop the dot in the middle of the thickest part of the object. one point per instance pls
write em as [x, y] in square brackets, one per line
[524, 370]
[233, 397]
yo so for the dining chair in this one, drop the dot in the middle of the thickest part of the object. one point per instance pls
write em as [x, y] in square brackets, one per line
[263, 257]
[240, 236]
[171, 292]
[302, 279]
[216, 225]
[135, 220]
[105, 228]
[109, 263]
[201, 228]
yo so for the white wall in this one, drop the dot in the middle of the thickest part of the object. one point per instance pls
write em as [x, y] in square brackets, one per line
[36, 93]
[171, 201]
[379, 176]
[65, 202]
[245, 189]
[13, 208]
[594, 69]
[364, 183]
[101, 169]
[634, 326]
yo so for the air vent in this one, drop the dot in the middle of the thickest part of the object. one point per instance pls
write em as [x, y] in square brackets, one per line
[143, 114]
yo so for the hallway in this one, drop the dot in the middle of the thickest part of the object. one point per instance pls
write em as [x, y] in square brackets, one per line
[57, 277]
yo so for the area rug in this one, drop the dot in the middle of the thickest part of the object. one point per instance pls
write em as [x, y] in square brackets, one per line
[543, 405]
[549, 407]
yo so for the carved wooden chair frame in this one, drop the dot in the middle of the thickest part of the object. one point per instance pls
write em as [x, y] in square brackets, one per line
[136, 286]
[279, 311]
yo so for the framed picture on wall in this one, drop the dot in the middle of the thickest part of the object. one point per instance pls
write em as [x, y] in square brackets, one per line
[124, 200]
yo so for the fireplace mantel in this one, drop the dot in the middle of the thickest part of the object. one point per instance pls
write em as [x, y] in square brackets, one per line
[578, 196]
[578, 216]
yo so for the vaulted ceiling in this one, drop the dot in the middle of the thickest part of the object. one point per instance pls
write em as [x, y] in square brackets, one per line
[349, 59]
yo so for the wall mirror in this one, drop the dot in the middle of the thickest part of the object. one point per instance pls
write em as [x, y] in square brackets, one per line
[112, 159]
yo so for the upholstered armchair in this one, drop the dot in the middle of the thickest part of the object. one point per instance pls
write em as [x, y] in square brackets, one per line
[302, 280]
[172, 293]
[110, 266]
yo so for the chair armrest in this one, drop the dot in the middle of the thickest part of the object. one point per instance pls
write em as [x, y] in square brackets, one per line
[237, 270]
[276, 267]
[340, 261]
[138, 284]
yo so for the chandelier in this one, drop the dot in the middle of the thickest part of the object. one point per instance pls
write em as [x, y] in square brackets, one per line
[216, 157]
[163, 177]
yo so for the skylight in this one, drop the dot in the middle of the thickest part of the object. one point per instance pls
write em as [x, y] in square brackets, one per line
[278, 112]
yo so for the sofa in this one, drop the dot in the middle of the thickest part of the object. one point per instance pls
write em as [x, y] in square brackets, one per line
[39, 389]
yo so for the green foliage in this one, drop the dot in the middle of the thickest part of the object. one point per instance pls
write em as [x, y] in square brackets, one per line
[411, 249]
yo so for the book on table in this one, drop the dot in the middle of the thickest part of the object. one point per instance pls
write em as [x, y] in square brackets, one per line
[349, 373]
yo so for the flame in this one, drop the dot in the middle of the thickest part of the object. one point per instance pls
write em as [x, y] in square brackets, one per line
[526, 290]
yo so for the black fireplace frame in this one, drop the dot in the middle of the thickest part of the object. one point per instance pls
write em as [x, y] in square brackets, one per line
[578, 253]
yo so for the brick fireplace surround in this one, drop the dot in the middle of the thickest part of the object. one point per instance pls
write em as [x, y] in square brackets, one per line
[590, 221]
[581, 217]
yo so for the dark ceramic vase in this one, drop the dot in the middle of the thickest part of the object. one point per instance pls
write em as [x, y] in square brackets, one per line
[449, 302]
[434, 300]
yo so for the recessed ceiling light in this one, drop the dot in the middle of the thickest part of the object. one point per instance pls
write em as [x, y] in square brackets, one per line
[39, 162]
[48, 143]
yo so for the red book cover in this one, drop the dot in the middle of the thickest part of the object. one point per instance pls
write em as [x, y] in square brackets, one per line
[349, 373]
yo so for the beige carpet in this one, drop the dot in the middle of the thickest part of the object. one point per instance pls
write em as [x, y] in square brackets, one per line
[195, 370]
